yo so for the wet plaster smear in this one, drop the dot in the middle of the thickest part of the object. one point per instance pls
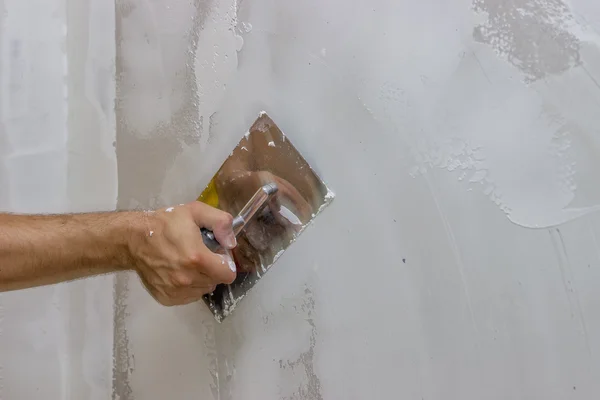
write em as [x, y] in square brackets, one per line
[460, 258]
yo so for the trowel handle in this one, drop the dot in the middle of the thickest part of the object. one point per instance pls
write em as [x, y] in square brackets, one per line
[254, 205]
[208, 237]
[257, 201]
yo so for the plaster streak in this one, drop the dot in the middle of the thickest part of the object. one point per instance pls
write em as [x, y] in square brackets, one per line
[210, 343]
[157, 120]
[215, 62]
[156, 105]
[310, 389]
[122, 361]
[532, 35]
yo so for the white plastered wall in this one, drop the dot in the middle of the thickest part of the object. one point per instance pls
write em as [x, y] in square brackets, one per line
[57, 129]
[459, 258]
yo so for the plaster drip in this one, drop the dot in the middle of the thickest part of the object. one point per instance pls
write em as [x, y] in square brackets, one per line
[210, 344]
[122, 365]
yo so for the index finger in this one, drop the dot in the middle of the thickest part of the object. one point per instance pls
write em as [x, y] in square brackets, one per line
[219, 268]
[220, 222]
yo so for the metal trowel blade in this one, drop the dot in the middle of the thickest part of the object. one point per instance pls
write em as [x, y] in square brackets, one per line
[263, 156]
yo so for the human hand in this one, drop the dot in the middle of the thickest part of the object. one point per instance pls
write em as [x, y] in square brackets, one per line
[171, 259]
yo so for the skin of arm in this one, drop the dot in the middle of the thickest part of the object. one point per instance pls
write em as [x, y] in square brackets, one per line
[163, 246]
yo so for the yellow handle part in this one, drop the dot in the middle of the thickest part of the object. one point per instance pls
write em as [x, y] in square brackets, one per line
[209, 195]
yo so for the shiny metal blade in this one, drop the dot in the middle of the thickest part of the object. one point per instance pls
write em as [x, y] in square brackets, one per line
[263, 156]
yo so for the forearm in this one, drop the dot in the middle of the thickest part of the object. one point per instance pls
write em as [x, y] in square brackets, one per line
[44, 249]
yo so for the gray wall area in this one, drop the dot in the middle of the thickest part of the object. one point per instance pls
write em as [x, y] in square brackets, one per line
[57, 129]
[459, 260]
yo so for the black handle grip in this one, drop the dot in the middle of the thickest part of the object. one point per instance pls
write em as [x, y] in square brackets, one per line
[208, 237]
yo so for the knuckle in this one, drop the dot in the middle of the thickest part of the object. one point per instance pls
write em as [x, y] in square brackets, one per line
[225, 220]
[228, 277]
[181, 280]
[194, 260]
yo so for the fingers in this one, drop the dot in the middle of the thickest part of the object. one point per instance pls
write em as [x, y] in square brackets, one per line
[220, 268]
[172, 296]
[175, 266]
[220, 222]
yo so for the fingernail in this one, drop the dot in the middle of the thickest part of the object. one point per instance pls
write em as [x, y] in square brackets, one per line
[232, 266]
[230, 241]
[230, 262]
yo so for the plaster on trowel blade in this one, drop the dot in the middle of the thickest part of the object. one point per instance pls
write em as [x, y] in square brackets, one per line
[264, 155]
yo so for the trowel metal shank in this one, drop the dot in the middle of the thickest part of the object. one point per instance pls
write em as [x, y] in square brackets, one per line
[264, 156]
[254, 205]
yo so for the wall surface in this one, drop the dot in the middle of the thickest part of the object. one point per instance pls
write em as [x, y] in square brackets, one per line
[57, 129]
[459, 259]
[164, 123]
[460, 256]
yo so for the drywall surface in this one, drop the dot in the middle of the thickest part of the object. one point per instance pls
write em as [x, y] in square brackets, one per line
[57, 129]
[460, 256]
[163, 136]
[446, 129]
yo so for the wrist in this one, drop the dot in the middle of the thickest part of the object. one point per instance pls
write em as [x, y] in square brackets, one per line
[124, 231]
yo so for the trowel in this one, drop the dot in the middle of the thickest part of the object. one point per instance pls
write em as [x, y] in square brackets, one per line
[273, 194]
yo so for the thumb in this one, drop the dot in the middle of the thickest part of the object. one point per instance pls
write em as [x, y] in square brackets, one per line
[220, 222]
